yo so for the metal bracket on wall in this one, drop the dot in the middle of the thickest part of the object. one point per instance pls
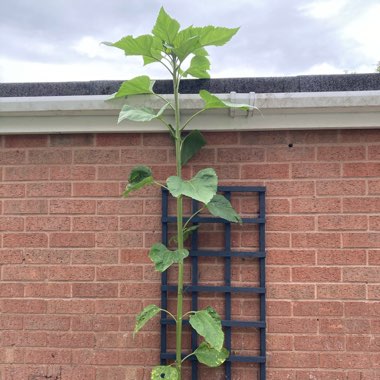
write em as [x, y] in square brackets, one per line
[236, 112]
[226, 255]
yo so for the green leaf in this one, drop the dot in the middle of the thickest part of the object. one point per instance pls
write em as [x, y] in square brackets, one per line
[207, 323]
[210, 356]
[136, 86]
[163, 258]
[212, 101]
[201, 187]
[191, 144]
[148, 313]
[166, 28]
[187, 47]
[199, 67]
[221, 206]
[139, 177]
[186, 234]
[166, 372]
[140, 114]
[214, 35]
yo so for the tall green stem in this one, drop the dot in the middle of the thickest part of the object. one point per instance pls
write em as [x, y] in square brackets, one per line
[178, 142]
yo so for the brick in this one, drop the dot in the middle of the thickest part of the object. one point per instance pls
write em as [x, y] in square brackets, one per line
[358, 135]
[315, 170]
[342, 222]
[118, 306]
[361, 240]
[374, 223]
[95, 256]
[11, 256]
[72, 239]
[315, 240]
[12, 157]
[97, 290]
[263, 137]
[25, 206]
[50, 290]
[240, 155]
[277, 206]
[276, 342]
[120, 139]
[345, 360]
[120, 207]
[292, 188]
[95, 223]
[218, 138]
[70, 140]
[297, 154]
[46, 256]
[48, 190]
[26, 173]
[341, 153]
[25, 141]
[278, 308]
[23, 339]
[293, 360]
[11, 290]
[50, 157]
[265, 171]
[292, 325]
[362, 309]
[143, 156]
[374, 292]
[72, 206]
[315, 205]
[341, 257]
[72, 173]
[11, 322]
[47, 223]
[13, 190]
[361, 204]
[74, 340]
[134, 256]
[95, 323]
[360, 274]
[97, 189]
[24, 273]
[364, 169]
[313, 137]
[290, 223]
[291, 291]
[96, 156]
[119, 239]
[273, 274]
[71, 273]
[140, 223]
[319, 343]
[63, 306]
[341, 187]
[78, 373]
[24, 240]
[317, 308]
[140, 290]
[47, 356]
[11, 224]
[341, 291]
[23, 306]
[290, 257]
[374, 187]
[119, 273]
[374, 257]
[317, 274]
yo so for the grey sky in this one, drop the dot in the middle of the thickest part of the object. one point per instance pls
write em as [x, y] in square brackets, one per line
[58, 40]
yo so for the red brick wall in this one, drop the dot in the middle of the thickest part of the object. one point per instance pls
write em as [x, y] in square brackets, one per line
[74, 261]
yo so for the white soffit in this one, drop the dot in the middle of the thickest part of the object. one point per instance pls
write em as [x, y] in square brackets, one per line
[278, 111]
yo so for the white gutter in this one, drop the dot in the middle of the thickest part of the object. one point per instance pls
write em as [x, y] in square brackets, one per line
[279, 111]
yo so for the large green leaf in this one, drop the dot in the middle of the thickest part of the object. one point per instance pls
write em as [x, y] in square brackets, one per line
[148, 313]
[221, 206]
[201, 187]
[139, 177]
[214, 35]
[140, 114]
[212, 101]
[192, 143]
[165, 28]
[210, 356]
[199, 67]
[165, 372]
[163, 258]
[207, 323]
[136, 86]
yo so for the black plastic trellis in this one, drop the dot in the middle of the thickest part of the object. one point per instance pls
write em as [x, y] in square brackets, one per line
[194, 288]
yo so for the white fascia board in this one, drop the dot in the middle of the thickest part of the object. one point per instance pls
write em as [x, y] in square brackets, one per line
[279, 111]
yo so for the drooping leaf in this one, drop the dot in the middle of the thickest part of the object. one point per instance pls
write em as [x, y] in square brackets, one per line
[136, 86]
[221, 206]
[207, 323]
[140, 114]
[139, 177]
[163, 258]
[192, 143]
[166, 372]
[186, 234]
[212, 101]
[210, 356]
[201, 187]
[214, 35]
[148, 313]
[199, 67]
[166, 27]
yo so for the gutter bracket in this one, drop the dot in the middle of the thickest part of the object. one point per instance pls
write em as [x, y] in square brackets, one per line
[232, 98]
[252, 99]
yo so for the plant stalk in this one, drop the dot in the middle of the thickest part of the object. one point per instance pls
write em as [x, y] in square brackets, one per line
[178, 142]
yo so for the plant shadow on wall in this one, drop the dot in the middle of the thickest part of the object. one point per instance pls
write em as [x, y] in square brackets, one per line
[174, 49]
